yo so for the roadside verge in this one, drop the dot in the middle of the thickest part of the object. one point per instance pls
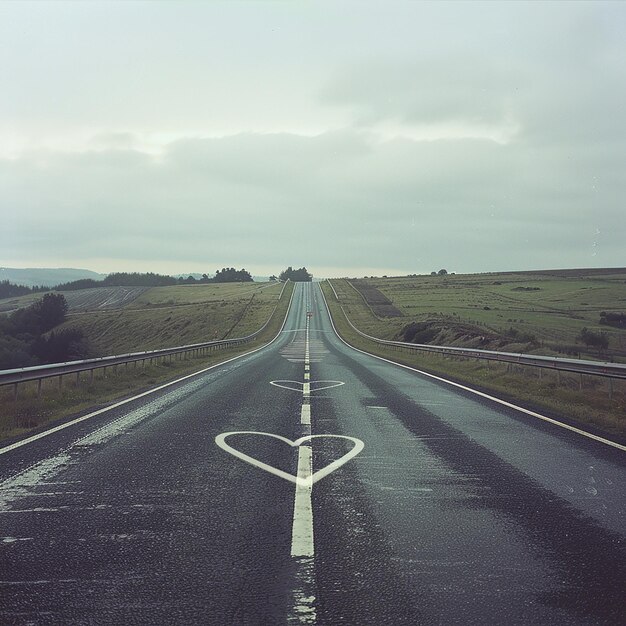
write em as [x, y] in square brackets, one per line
[462, 373]
[32, 414]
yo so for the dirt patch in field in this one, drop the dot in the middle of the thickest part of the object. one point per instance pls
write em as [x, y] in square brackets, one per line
[380, 304]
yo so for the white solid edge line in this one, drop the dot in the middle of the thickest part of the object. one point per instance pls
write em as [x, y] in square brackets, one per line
[578, 431]
[45, 433]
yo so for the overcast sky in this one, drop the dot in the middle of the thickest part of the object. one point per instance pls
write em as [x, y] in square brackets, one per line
[354, 138]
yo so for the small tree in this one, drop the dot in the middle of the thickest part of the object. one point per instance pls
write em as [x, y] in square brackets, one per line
[442, 272]
[51, 309]
[41, 316]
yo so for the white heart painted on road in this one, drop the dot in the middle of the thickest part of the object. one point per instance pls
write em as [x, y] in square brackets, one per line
[315, 385]
[220, 440]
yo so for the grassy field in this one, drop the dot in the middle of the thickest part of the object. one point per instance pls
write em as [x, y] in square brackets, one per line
[202, 294]
[165, 317]
[589, 405]
[552, 308]
[108, 298]
[236, 313]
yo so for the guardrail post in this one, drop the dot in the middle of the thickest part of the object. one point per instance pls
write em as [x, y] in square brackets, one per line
[77, 378]
[580, 383]
[91, 376]
[39, 387]
[610, 389]
[60, 381]
[15, 392]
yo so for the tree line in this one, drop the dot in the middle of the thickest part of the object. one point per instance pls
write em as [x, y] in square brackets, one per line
[9, 290]
[150, 279]
[299, 275]
[130, 279]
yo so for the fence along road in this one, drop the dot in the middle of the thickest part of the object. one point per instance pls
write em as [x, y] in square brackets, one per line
[311, 483]
[580, 366]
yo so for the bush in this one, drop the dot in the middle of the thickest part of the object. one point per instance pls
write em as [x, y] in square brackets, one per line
[14, 353]
[595, 340]
[41, 316]
[520, 337]
[21, 340]
[67, 345]
[613, 319]
[421, 332]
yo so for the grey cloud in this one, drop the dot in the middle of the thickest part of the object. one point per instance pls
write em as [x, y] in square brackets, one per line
[343, 199]
[114, 141]
[458, 89]
[556, 73]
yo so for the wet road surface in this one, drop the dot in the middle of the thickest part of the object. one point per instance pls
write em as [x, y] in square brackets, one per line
[427, 505]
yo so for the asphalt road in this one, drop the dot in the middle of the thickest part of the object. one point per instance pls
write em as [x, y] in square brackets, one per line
[215, 501]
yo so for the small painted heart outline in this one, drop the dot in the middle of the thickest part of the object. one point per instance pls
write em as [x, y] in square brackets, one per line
[312, 389]
[220, 440]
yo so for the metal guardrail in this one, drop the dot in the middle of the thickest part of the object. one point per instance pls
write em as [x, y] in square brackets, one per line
[593, 368]
[41, 372]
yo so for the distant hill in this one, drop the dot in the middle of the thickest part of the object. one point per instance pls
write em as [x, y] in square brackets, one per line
[47, 277]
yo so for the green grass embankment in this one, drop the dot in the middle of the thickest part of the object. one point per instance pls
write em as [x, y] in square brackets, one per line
[558, 397]
[551, 307]
[165, 317]
[54, 404]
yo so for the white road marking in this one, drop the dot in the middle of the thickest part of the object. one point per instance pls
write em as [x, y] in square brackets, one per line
[314, 477]
[293, 385]
[305, 414]
[302, 543]
[302, 528]
[313, 385]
